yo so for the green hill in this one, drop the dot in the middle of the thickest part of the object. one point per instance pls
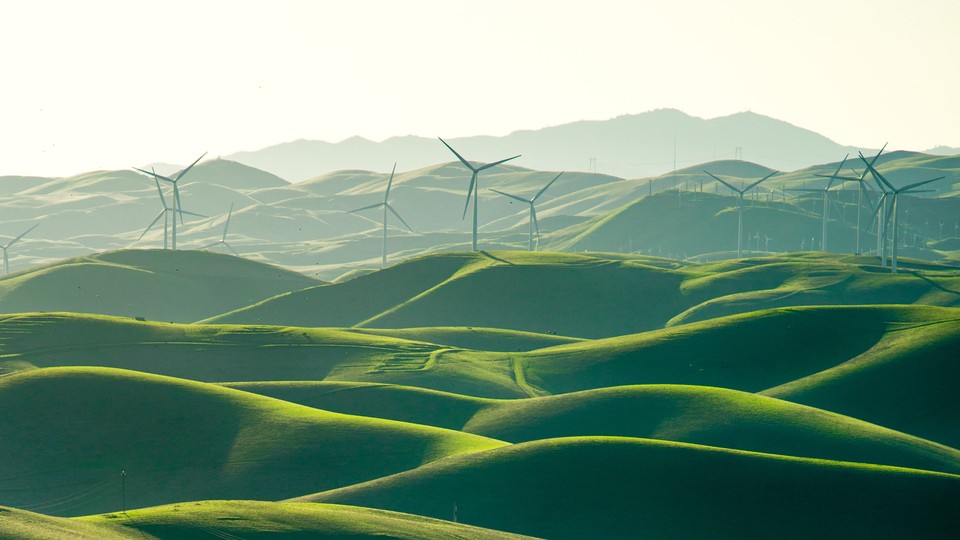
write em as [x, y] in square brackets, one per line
[630, 488]
[69, 432]
[238, 519]
[481, 339]
[256, 519]
[907, 382]
[693, 414]
[164, 285]
[22, 525]
[582, 295]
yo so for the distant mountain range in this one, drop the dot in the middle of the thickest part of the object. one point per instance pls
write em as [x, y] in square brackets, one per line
[628, 146]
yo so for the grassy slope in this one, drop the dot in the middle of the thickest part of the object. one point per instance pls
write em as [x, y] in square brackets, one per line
[908, 382]
[257, 519]
[162, 285]
[613, 487]
[749, 352]
[694, 414]
[247, 353]
[582, 295]
[18, 524]
[481, 339]
[181, 440]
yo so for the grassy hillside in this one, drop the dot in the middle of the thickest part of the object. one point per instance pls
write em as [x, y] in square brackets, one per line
[694, 414]
[18, 524]
[582, 295]
[749, 352]
[481, 339]
[629, 488]
[164, 285]
[69, 432]
[908, 382]
[257, 519]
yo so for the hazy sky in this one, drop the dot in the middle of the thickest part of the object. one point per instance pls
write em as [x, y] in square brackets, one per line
[104, 84]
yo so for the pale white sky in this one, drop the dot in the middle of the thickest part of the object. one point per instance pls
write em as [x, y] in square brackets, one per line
[110, 84]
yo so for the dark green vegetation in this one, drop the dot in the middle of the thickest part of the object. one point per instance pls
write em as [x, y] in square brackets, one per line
[555, 395]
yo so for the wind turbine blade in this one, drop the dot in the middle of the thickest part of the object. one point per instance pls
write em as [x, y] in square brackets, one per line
[208, 246]
[231, 249]
[389, 183]
[185, 171]
[514, 197]
[757, 183]
[394, 212]
[546, 187]
[377, 205]
[191, 214]
[880, 203]
[724, 182]
[839, 168]
[473, 180]
[153, 174]
[226, 226]
[918, 184]
[152, 223]
[495, 163]
[176, 195]
[881, 181]
[160, 192]
[845, 178]
[465, 162]
[24, 233]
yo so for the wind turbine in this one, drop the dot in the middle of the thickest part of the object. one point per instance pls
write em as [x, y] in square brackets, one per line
[826, 201]
[533, 212]
[6, 260]
[740, 192]
[165, 215]
[223, 240]
[177, 205]
[860, 179]
[386, 206]
[474, 189]
[896, 195]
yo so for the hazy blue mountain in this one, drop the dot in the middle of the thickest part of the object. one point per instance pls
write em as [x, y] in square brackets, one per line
[629, 146]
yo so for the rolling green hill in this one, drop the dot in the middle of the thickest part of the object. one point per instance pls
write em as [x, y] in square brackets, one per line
[907, 382]
[582, 295]
[629, 488]
[238, 519]
[256, 519]
[69, 432]
[693, 414]
[164, 285]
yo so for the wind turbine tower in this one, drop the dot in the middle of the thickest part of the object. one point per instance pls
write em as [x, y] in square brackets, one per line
[6, 259]
[533, 211]
[740, 192]
[386, 206]
[474, 189]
